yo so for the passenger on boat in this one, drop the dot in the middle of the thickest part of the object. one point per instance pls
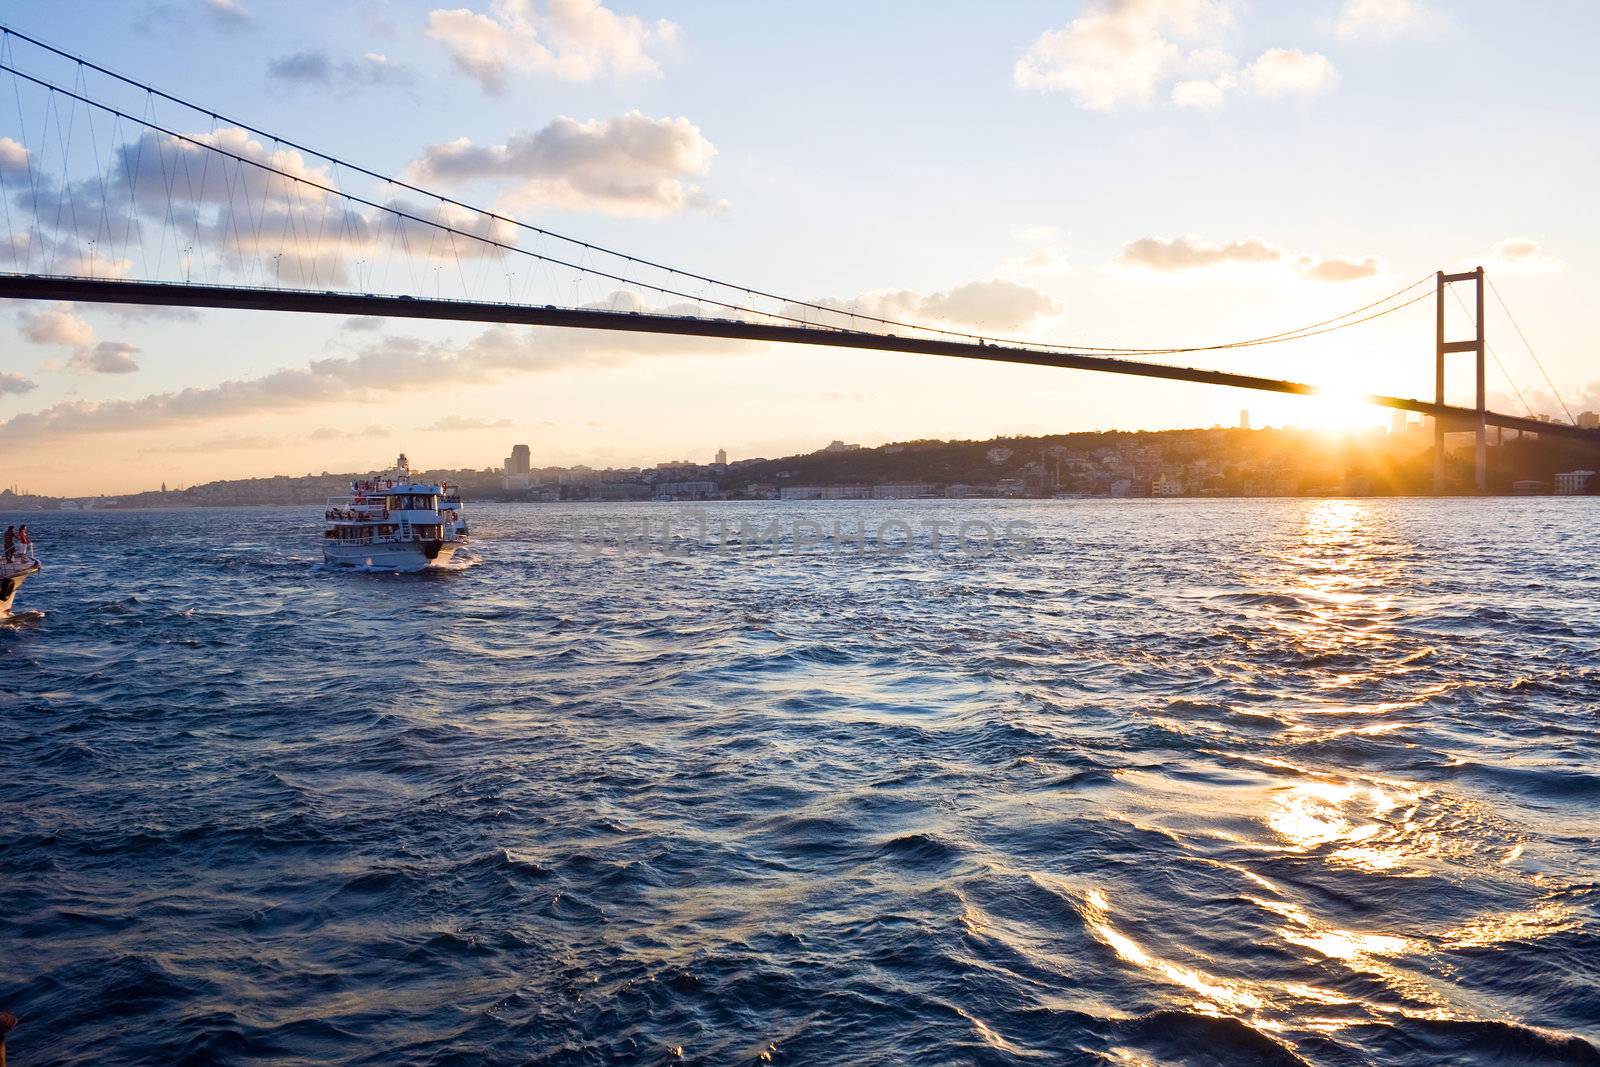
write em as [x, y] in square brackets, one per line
[24, 542]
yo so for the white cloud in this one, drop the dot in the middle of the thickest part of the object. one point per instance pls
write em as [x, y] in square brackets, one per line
[628, 165]
[1518, 255]
[1199, 94]
[1338, 268]
[107, 357]
[456, 423]
[14, 383]
[575, 40]
[1191, 252]
[1118, 51]
[1282, 71]
[1384, 20]
[993, 304]
[13, 158]
[57, 326]
[1121, 52]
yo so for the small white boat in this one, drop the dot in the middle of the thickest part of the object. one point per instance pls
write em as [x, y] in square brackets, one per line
[12, 574]
[393, 522]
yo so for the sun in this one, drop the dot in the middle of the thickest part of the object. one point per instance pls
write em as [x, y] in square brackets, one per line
[1335, 408]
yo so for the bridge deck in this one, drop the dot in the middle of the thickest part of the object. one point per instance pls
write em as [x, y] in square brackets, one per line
[94, 290]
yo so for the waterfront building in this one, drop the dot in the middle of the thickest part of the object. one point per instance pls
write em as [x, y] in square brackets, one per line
[1573, 483]
[902, 491]
[1589, 420]
[800, 492]
[695, 490]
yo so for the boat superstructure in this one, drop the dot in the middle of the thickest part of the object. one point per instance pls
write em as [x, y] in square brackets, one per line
[394, 522]
[13, 573]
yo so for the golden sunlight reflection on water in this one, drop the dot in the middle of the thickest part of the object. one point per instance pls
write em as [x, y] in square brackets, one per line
[1328, 591]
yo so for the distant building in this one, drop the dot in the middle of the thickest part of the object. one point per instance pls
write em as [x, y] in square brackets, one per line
[1529, 487]
[722, 457]
[846, 492]
[1398, 421]
[519, 462]
[998, 455]
[840, 446]
[902, 491]
[686, 490]
[1589, 420]
[1244, 418]
[1573, 483]
[1166, 485]
[800, 492]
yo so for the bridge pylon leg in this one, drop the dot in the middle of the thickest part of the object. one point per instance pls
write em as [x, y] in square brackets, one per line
[1442, 348]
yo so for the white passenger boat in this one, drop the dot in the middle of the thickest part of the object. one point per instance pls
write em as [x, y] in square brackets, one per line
[394, 522]
[12, 574]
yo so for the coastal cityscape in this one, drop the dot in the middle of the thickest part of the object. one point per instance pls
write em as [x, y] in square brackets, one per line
[1214, 462]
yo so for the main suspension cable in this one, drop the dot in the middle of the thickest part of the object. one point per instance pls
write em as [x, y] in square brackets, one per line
[1310, 330]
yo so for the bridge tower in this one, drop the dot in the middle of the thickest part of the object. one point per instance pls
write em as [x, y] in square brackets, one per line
[1444, 348]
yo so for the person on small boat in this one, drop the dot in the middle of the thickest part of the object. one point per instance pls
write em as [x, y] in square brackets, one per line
[24, 543]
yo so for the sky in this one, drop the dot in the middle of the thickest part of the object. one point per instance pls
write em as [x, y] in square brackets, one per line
[1116, 172]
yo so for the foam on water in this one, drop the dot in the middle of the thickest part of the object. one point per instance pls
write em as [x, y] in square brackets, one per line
[1209, 782]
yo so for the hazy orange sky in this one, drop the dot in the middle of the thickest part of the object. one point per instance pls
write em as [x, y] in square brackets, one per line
[1143, 172]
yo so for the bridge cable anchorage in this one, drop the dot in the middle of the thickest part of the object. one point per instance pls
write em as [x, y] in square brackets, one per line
[9, 32]
[1504, 373]
[1536, 362]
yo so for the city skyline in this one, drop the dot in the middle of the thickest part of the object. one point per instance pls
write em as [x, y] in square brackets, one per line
[1101, 194]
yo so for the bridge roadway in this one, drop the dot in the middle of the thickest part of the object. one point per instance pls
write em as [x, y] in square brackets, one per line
[177, 294]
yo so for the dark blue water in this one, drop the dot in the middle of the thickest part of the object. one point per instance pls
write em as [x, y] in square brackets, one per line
[1189, 782]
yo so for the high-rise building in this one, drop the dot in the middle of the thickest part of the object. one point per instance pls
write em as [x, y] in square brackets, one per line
[722, 457]
[1244, 418]
[1589, 420]
[519, 462]
[1398, 421]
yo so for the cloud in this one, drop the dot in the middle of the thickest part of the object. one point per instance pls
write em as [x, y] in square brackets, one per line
[1201, 95]
[15, 383]
[1282, 71]
[1384, 20]
[57, 326]
[993, 305]
[455, 423]
[13, 159]
[1518, 255]
[332, 433]
[574, 40]
[317, 68]
[229, 14]
[1118, 51]
[628, 165]
[1189, 252]
[107, 357]
[1338, 268]
[363, 324]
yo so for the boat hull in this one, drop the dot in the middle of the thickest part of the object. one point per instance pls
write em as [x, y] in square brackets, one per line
[403, 557]
[11, 584]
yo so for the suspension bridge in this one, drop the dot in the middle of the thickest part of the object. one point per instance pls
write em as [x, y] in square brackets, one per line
[115, 191]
